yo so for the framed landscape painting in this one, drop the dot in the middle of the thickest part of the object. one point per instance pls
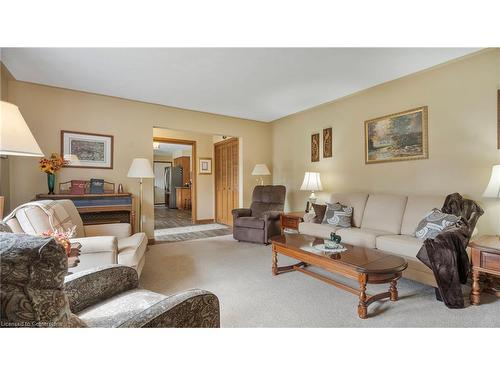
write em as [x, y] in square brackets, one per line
[397, 137]
[87, 150]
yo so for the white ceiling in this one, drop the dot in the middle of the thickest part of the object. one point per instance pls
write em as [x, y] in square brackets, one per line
[170, 148]
[253, 83]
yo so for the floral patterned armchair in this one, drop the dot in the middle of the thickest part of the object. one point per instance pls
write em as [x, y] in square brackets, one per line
[35, 292]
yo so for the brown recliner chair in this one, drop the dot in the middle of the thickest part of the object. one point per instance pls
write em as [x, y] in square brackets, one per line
[262, 220]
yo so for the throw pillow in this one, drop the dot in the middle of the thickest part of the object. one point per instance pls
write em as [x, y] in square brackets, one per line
[337, 214]
[319, 210]
[434, 223]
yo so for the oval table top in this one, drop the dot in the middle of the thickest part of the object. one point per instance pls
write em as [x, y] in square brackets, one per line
[363, 259]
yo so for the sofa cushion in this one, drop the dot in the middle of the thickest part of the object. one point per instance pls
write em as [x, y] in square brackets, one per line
[384, 212]
[93, 260]
[338, 214]
[355, 200]
[317, 230]
[360, 236]
[417, 206]
[404, 245]
[434, 223]
[120, 308]
[249, 222]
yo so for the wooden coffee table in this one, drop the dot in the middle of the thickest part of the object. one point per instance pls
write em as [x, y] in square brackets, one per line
[367, 266]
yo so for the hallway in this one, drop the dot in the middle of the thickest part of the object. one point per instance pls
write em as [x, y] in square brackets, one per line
[173, 225]
[170, 217]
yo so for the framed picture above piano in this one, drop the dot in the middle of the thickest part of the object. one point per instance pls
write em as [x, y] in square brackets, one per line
[87, 150]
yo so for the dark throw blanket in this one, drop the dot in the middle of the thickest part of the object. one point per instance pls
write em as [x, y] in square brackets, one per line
[446, 255]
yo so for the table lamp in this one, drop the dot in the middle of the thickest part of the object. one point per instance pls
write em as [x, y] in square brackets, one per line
[261, 170]
[493, 188]
[140, 168]
[15, 136]
[312, 183]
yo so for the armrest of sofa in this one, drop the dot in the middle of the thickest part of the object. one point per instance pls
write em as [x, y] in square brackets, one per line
[190, 309]
[272, 215]
[241, 212]
[120, 230]
[89, 287]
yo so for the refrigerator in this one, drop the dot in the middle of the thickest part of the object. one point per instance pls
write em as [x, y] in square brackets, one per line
[173, 179]
[159, 182]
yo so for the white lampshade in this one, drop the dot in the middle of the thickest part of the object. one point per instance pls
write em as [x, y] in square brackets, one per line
[260, 170]
[312, 182]
[493, 188]
[15, 135]
[141, 168]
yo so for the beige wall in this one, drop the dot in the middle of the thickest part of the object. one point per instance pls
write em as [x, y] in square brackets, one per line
[205, 198]
[4, 162]
[461, 97]
[48, 110]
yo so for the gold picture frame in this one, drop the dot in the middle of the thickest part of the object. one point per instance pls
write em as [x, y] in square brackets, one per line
[205, 166]
[87, 150]
[327, 143]
[315, 147]
[397, 137]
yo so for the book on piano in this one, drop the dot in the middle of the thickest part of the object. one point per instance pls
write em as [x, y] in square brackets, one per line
[77, 187]
[96, 186]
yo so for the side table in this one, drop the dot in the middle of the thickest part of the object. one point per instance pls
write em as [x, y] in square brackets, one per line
[291, 220]
[485, 256]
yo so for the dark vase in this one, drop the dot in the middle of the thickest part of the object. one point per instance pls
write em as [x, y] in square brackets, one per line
[51, 182]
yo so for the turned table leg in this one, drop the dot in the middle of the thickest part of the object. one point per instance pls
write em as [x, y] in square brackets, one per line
[275, 263]
[475, 294]
[393, 290]
[362, 306]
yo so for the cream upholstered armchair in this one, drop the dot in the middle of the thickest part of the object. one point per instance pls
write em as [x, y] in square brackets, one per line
[102, 244]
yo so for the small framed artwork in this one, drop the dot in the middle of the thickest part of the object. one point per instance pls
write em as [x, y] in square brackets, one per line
[87, 150]
[315, 147]
[327, 143]
[397, 137]
[205, 166]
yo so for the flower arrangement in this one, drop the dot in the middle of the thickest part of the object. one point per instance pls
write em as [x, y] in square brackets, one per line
[52, 165]
[62, 237]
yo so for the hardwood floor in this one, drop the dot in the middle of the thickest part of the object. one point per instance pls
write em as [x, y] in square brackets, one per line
[173, 218]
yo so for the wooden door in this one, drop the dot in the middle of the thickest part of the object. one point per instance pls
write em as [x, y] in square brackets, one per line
[226, 180]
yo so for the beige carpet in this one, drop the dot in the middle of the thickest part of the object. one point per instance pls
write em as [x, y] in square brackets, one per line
[240, 275]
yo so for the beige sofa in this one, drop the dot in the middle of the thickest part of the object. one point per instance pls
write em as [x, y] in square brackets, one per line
[386, 222]
[102, 244]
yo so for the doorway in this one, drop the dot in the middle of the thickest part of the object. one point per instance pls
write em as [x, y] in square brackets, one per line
[227, 190]
[175, 183]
